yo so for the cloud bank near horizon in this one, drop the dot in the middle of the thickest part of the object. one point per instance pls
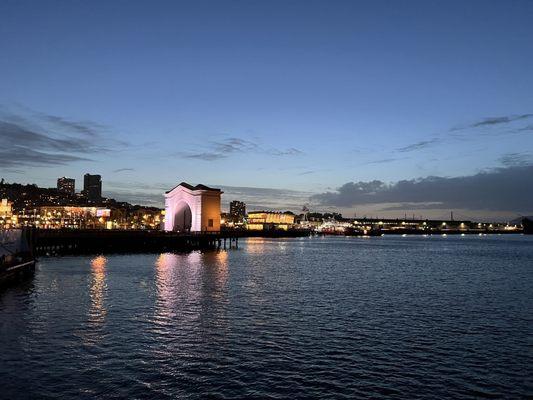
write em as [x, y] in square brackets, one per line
[507, 189]
[256, 198]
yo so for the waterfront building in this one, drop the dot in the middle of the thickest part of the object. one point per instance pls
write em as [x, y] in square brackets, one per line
[66, 185]
[6, 208]
[269, 220]
[92, 187]
[7, 219]
[237, 210]
[83, 217]
[72, 217]
[192, 208]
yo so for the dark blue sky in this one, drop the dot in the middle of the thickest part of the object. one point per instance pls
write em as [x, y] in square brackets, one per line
[301, 95]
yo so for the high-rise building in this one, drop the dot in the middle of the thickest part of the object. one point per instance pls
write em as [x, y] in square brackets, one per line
[237, 209]
[92, 187]
[66, 185]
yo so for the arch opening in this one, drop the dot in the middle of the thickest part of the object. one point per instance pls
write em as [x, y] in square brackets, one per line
[182, 217]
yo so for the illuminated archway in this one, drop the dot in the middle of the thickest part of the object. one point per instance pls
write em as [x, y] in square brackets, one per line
[192, 209]
[182, 217]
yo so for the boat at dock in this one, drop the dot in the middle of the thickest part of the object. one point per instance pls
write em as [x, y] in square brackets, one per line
[16, 254]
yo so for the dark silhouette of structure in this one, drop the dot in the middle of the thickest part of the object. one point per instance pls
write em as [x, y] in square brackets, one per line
[527, 224]
[92, 187]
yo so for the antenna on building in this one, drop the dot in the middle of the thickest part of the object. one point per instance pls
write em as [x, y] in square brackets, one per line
[305, 211]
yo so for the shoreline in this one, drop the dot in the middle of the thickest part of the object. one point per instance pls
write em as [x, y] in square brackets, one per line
[62, 241]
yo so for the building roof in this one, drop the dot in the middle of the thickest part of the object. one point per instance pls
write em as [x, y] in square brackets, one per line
[270, 212]
[191, 187]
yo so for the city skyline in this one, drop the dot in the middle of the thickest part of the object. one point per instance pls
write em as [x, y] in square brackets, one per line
[352, 107]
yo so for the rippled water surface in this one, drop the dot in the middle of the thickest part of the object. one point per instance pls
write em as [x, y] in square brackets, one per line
[386, 317]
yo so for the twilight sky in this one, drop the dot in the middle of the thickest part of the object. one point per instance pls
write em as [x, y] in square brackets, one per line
[377, 107]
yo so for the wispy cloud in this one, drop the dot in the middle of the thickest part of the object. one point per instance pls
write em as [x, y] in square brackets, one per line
[287, 152]
[88, 128]
[20, 157]
[419, 145]
[123, 170]
[204, 156]
[234, 145]
[500, 120]
[20, 146]
[525, 128]
[491, 121]
[471, 131]
[216, 150]
[383, 161]
[37, 139]
[516, 159]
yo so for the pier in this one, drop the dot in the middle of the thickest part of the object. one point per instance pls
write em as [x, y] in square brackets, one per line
[87, 241]
[70, 241]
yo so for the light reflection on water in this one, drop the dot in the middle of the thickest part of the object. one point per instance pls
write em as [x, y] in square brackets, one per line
[97, 290]
[185, 284]
[306, 318]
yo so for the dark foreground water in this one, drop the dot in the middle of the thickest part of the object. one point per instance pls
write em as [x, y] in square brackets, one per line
[386, 317]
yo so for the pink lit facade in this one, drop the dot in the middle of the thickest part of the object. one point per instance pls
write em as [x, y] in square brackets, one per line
[192, 209]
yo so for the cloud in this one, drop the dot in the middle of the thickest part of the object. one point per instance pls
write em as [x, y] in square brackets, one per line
[20, 157]
[458, 132]
[123, 170]
[491, 121]
[136, 197]
[383, 161]
[288, 152]
[412, 206]
[234, 145]
[501, 189]
[500, 120]
[88, 128]
[525, 128]
[216, 150]
[516, 159]
[419, 145]
[38, 139]
[205, 156]
[20, 146]
[255, 197]
[13, 135]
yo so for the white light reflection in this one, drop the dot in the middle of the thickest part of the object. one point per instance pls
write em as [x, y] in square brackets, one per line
[255, 245]
[191, 290]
